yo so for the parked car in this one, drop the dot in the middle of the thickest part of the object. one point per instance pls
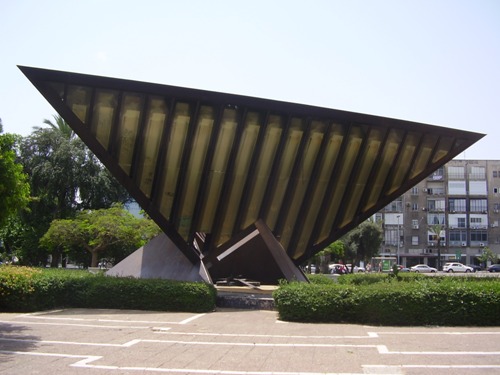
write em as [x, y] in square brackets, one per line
[494, 268]
[475, 268]
[356, 268]
[403, 268]
[424, 268]
[457, 267]
[339, 269]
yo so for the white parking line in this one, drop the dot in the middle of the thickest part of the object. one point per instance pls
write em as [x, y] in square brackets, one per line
[369, 335]
[74, 325]
[188, 320]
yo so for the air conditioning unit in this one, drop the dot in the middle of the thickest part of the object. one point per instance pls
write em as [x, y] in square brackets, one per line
[481, 244]
[432, 244]
[415, 226]
[424, 190]
[443, 243]
[464, 244]
[424, 209]
[495, 211]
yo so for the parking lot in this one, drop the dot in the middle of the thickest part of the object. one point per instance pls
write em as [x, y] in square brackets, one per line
[84, 341]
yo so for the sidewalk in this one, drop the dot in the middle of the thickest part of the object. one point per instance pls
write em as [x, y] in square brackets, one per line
[233, 342]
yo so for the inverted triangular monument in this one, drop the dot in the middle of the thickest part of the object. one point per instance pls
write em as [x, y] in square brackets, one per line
[212, 163]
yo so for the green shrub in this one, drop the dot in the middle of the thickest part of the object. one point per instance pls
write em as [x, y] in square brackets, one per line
[424, 301]
[28, 289]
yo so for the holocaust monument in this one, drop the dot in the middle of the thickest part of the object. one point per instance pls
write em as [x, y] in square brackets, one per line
[242, 187]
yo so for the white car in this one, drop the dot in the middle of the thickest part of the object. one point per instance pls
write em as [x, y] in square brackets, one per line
[356, 268]
[423, 268]
[457, 267]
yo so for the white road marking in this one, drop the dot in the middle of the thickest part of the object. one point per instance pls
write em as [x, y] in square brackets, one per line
[188, 320]
[438, 333]
[382, 349]
[101, 320]
[174, 333]
[126, 345]
[74, 325]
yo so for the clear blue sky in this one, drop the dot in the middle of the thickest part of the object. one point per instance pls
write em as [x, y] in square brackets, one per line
[430, 61]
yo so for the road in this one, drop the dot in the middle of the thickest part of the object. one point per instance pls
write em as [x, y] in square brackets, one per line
[233, 342]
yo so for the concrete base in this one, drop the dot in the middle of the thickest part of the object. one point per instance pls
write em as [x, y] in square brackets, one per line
[244, 298]
[161, 259]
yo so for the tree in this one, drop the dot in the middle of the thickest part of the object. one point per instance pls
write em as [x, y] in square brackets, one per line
[487, 256]
[113, 230]
[65, 177]
[14, 187]
[363, 242]
[435, 231]
[335, 250]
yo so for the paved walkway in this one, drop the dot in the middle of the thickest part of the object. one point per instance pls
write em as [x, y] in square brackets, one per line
[233, 342]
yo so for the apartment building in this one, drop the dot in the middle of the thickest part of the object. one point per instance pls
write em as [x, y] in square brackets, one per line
[452, 215]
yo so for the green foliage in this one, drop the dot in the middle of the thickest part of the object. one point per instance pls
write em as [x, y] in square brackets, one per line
[363, 242]
[14, 187]
[98, 231]
[30, 289]
[65, 177]
[380, 299]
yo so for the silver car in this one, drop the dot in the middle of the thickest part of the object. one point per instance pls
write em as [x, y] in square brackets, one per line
[457, 267]
[423, 268]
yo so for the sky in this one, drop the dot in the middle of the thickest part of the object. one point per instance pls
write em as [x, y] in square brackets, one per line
[430, 61]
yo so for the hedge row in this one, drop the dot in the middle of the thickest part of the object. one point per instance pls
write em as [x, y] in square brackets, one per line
[420, 301]
[29, 289]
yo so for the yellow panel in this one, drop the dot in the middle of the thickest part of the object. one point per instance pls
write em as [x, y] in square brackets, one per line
[218, 169]
[130, 115]
[173, 158]
[308, 161]
[194, 171]
[294, 137]
[370, 154]
[263, 169]
[241, 167]
[327, 165]
[156, 115]
[424, 155]
[444, 148]
[404, 163]
[78, 100]
[102, 117]
[388, 156]
[353, 147]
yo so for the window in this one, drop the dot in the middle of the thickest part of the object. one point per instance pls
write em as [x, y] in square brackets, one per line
[414, 206]
[435, 204]
[475, 221]
[461, 222]
[478, 205]
[414, 190]
[414, 223]
[414, 240]
[456, 187]
[478, 236]
[456, 172]
[477, 173]
[456, 205]
[433, 219]
[395, 205]
[458, 236]
[478, 187]
[495, 174]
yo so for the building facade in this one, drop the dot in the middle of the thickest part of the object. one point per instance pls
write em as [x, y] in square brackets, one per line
[452, 215]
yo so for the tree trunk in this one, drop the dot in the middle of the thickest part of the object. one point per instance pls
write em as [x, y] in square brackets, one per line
[95, 259]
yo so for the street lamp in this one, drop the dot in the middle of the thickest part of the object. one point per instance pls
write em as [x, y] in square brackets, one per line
[399, 240]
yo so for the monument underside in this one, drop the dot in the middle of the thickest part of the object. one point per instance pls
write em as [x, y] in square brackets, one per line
[208, 166]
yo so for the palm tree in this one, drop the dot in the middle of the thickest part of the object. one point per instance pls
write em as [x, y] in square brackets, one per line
[436, 230]
[59, 125]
